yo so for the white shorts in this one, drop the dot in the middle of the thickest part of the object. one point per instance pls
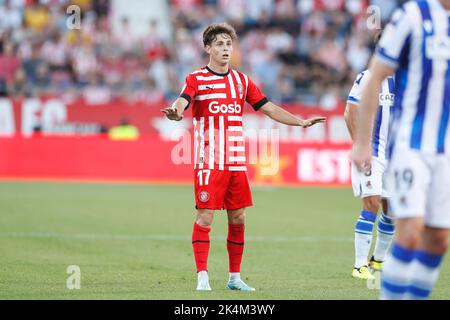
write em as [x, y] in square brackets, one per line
[365, 186]
[419, 186]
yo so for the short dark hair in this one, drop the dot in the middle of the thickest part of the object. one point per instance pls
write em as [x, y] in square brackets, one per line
[211, 32]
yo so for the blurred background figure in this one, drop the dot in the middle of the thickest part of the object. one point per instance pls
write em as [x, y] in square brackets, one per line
[124, 131]
[127, 59]
[118, 40]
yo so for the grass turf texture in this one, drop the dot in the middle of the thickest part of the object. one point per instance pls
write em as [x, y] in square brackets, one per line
[133, 242]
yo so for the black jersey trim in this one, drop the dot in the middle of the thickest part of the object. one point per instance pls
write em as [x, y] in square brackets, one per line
[260, 103]
[185, 96]
[218, 74]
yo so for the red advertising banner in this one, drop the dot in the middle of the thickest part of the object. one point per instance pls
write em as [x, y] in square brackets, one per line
[67, 140]
[59, 116]
[151, 159]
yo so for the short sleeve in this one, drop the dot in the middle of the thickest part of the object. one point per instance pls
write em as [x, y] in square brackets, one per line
[254, 96]
[395, 39]
[189, 90]
[354, 96]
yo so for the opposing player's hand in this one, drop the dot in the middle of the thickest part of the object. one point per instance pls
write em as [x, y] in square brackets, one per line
[362, 157]
[310, 122]
[172, 114]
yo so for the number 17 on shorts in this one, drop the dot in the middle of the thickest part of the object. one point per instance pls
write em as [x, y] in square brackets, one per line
[219, 189]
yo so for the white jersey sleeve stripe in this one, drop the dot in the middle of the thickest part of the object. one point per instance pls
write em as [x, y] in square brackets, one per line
[232, 87]
[238, 79]
[246, 85]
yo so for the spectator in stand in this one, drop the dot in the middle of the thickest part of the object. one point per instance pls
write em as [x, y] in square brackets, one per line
[36, 16]
[10, 17]
[305, 47]
[95, 92]
[9, 62]
[19, 87]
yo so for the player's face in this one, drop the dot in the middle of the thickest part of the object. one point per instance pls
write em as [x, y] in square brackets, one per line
[221, 49]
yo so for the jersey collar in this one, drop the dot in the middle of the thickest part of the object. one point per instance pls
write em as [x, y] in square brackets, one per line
[218, 74]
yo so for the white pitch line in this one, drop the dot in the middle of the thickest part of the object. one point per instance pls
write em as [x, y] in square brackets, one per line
[166, 237]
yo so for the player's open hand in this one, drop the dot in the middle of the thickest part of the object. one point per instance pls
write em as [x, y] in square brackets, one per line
[310, 122]
[172, 114]
[362, 157]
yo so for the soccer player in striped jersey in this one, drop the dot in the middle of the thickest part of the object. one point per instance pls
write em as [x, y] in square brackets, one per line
[217, 95]
[415, 45]
[370, 188]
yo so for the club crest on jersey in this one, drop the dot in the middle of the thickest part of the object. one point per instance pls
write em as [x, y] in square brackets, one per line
[203, 196]
[240, 87]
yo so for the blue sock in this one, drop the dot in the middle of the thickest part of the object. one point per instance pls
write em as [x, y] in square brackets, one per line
[363, 237]
[397, 273]
[424, 275]
[385, 233]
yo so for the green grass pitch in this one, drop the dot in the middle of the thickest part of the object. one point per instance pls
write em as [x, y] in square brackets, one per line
[133, 242]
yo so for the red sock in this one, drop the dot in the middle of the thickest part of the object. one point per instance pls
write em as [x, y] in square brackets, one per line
[200, 245]
[235, 246]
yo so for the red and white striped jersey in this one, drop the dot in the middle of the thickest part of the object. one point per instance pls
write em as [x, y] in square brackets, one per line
[217, 102]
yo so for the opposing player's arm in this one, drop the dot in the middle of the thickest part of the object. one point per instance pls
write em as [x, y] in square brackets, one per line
[362, 152]
[283, 116]
[175, 112]
[350, 118]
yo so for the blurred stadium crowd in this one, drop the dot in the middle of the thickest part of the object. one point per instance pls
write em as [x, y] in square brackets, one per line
[305, 51]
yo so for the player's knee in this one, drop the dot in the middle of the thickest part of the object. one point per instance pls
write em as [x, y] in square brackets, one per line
[409, 239]
[441, 246]
[239, 219]
[372, 204]
[204, 222]
[236, 216]
[205, 218]
[436, 242]
[409, 232]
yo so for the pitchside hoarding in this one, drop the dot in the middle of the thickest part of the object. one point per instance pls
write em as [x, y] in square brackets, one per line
[52, 138]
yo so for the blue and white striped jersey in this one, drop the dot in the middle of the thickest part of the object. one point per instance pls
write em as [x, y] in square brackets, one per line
[385, 108]
[416, 43]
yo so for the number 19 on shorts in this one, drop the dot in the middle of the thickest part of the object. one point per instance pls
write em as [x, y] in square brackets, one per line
[203, 177]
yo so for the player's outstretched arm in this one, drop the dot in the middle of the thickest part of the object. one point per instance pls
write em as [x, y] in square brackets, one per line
[350, 119]
[175, 112]
[362, 151]
[280, 115]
